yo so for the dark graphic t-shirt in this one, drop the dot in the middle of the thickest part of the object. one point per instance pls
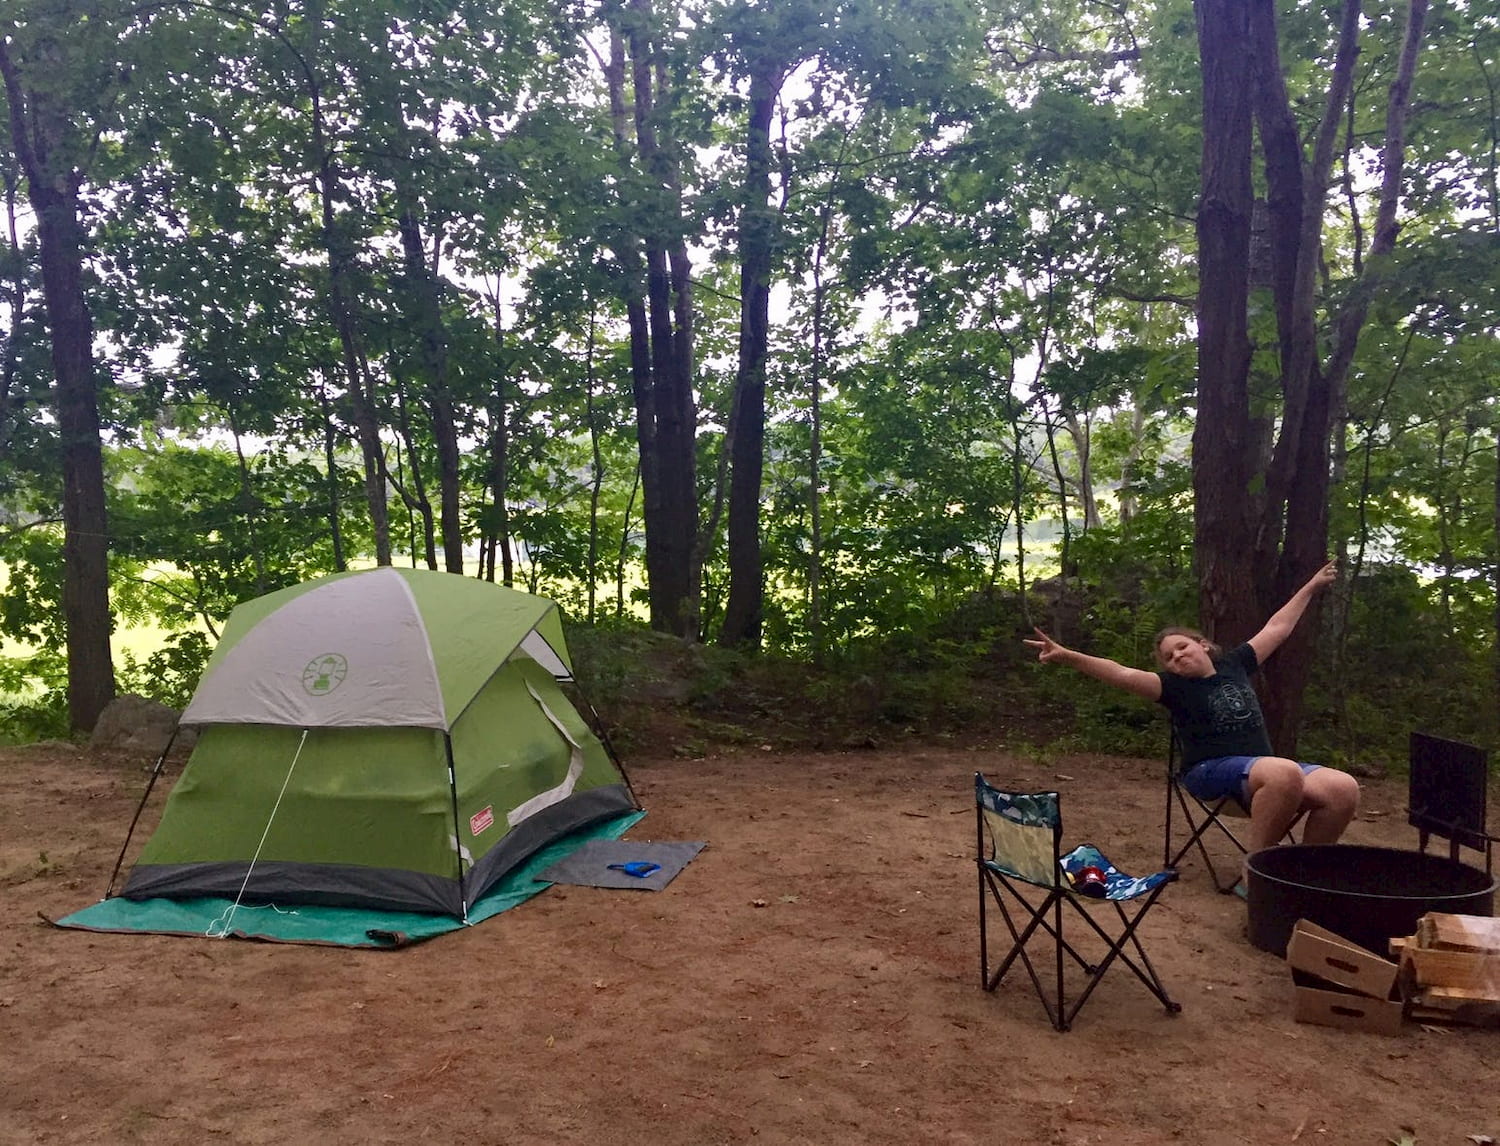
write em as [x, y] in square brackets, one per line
[1217, 715]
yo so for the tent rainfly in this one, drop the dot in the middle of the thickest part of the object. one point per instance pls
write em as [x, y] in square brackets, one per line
[393, 739]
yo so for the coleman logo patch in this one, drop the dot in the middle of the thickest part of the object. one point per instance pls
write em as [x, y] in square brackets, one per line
[324, 674]
[479, 821]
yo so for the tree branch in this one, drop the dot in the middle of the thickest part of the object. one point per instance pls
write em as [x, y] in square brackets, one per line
[1009, 61]
[1110, 290]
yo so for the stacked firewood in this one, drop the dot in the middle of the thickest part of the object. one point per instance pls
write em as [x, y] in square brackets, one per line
[1450, 969]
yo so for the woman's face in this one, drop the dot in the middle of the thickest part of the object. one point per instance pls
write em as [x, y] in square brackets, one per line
[1185, 656]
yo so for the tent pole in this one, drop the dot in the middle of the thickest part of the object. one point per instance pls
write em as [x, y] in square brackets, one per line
[603, 734]
[139, 808]
[458, 846]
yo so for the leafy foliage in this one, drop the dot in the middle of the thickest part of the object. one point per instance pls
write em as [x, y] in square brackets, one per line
[980, 388]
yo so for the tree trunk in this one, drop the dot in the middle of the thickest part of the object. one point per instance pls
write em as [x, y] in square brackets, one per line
[1127, 496]
[428, 321]
[815, 624]
[1082, 434]
[1298, 478]
[1222, 434]
[1495, 578]
[249, 502]
[39, 131]
[359, 393]
[415, 497]
[12, 407]
[499, 467]
[596, 466]
[642, 383]
[1019, 468]
[624, 549]
[742, 613]
[1292, 535]
[670, 425]
[1065, 550]
[330, 459]
[341, 269]
[91, 679]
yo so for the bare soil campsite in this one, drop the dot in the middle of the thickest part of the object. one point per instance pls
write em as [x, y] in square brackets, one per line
[812, 977]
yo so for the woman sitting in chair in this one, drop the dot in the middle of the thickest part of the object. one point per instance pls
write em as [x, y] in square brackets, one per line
[1226, 751]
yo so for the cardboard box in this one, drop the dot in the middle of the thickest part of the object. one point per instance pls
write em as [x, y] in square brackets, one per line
[1333, 958]
[1348, 1010]
[1340, 984]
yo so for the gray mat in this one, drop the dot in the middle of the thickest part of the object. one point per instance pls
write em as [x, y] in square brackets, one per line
[589, 866]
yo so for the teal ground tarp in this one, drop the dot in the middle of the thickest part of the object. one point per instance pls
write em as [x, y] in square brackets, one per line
[332, 926]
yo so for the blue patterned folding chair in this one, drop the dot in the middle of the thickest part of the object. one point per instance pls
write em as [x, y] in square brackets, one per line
[1035, 887]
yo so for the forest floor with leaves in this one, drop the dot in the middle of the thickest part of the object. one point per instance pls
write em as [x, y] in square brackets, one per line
[812, 977]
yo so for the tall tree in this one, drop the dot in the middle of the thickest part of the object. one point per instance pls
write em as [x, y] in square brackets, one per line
[894, 58]
[1222, 433]
[767, 67]
[427, 322]
[1262, 519]
[658, 291]
[56, 70]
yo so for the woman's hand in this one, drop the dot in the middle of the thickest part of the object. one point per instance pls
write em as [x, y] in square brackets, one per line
[1048, 650]
[1285, 619]
[1142, 683]
[1324, 577]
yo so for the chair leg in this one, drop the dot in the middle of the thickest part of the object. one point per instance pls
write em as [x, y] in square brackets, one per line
[1037, 921]
[1147, 976]
[984, 947]
[1150, 978]
[1062, 1021]
[1156, 986]
[1209, 818]
[1020, 937]
[1052, 1001]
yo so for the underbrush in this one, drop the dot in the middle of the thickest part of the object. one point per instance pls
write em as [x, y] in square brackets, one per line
[647, 687]
[34, 689]
[33, 698]
[969, 680]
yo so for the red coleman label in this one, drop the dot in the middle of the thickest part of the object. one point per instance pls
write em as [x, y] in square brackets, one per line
[481, 820]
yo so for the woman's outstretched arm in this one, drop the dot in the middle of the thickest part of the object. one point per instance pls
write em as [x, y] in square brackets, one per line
[1142, 683]
[1285, 619]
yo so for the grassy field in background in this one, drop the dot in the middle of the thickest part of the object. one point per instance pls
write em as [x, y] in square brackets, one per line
[140, 641]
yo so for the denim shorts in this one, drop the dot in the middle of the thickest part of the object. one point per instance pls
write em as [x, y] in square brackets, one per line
[1222, 776]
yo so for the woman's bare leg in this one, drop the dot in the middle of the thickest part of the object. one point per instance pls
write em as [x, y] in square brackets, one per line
[1330, 798]
[1276, 790]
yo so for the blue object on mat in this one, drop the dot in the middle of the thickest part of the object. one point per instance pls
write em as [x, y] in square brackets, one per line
[638, 868]
[639, 865]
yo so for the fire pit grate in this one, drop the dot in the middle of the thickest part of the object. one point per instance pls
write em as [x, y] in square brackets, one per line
[1447, 794]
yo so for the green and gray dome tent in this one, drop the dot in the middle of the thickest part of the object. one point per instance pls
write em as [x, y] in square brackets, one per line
[393, 739]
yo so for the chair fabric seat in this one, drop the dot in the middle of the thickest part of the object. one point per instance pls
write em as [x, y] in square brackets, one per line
[1118, 885]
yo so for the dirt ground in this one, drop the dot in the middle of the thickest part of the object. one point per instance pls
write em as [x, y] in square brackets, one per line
[812, 977]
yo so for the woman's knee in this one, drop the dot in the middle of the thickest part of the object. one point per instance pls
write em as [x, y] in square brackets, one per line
[1276, 773]
[1332, 789]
